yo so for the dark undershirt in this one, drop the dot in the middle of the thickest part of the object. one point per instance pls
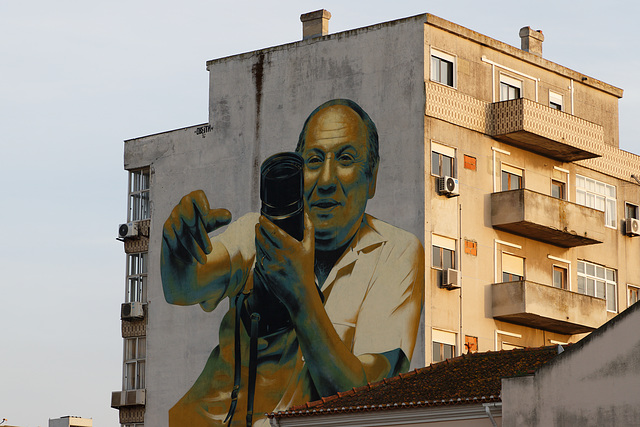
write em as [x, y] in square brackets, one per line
[325, 260]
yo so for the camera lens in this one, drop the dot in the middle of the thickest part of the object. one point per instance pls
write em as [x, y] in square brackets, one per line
[281, 186]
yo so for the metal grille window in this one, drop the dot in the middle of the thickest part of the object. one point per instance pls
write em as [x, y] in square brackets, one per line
[134, 361]
[598, 281]
[136, 277]
[443, 68]
[139, 195]
[631, 211]
[597, 195]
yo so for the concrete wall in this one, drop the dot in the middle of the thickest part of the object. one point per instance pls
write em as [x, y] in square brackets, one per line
[595, 383]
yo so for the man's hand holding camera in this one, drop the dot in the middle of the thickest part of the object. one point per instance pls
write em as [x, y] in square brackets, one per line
[285, 265]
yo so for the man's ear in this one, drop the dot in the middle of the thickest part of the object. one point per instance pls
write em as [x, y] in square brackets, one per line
[372, 182]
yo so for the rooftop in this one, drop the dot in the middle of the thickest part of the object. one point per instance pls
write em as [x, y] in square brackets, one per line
[470, 378]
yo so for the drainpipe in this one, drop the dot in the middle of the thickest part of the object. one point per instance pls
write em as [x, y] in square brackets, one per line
[487, 409]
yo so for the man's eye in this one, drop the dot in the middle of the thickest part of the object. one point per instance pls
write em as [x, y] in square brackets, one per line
[314, 162]
[346, 159]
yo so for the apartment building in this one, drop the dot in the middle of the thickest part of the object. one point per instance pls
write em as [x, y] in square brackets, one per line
[505, 165]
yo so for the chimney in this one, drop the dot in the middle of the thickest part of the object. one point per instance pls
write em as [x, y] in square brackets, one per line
[531, 41]
[315, 24]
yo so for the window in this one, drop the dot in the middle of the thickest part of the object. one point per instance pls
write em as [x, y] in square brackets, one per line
[139, 195]
[560, 277]
[510, 88]
[512, 268]
[443, 345]
[555, 101]
[134, 358]
[136, 277]
[443, 68]
[631, 211]
[598, 281]
[443, 255]
[511, 178]
[558, 189]
[597, 195]
[442, 160]
[633, 295]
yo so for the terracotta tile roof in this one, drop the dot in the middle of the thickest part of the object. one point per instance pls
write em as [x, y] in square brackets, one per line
[470, 378]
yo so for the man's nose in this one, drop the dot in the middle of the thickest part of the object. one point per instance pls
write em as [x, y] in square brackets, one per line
[327, 178]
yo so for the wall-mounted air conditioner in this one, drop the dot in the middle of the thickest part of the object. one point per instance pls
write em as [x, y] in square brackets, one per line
[130, 229]
[131, 310]
[451, 278]
[632, 227]
[448, 186]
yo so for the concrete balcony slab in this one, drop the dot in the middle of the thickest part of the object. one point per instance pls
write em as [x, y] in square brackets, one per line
[546, 219]
[545, 307]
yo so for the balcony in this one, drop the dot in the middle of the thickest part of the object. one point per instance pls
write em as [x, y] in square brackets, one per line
[543, 130]
[545, 218]
[128, 398]
[548, 308]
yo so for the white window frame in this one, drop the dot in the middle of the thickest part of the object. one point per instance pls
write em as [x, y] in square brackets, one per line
[512, 82]
[136, 360]
[442, 337]
[136, 281]
[442, 56]
[138, 200]
[556, 98]
[636, 289]
[598, 195]
[443, 151]
[610, 286]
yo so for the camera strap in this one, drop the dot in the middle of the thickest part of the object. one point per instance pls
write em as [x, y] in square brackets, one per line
[253, 361]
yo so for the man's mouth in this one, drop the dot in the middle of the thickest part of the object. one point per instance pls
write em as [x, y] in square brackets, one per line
[324, 204]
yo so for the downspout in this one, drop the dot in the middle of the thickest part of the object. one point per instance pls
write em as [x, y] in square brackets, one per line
[487, 409]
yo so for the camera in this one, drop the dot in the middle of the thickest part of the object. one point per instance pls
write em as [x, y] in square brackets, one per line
[281, 194]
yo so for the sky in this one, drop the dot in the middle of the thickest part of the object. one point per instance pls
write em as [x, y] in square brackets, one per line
[79, 77]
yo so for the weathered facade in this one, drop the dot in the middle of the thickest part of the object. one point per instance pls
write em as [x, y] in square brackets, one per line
[505, 165]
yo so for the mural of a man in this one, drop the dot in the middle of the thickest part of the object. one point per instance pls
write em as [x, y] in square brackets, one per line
[353, 287]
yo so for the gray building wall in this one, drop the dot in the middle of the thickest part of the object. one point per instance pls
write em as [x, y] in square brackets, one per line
[594, 383]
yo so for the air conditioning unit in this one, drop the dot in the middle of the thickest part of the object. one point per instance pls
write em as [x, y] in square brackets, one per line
[451, 278]
[632, 227]
[131, 310]
[130, 229]
[449, 186]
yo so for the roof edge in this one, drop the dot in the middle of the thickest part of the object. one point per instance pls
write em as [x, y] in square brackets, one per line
[461, 31]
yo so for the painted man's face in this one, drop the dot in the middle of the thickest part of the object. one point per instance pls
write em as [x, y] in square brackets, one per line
[336, 186]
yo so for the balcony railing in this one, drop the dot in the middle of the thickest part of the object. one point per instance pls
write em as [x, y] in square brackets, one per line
[544, 130]
[547, 219]
[548, 308]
